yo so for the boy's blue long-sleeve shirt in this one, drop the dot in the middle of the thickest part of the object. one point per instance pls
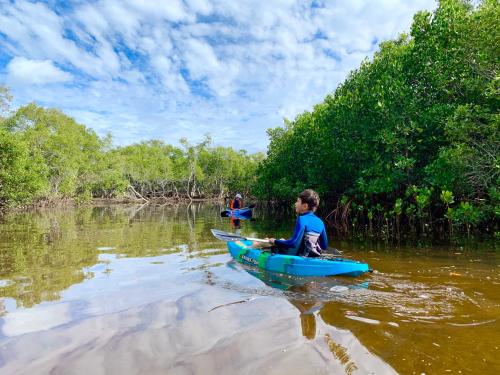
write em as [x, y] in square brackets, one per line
[307, 222]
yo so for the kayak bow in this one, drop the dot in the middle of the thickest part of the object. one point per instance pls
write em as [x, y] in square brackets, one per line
[244, 212]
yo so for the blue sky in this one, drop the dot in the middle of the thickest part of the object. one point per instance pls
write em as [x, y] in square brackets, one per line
[143, 69]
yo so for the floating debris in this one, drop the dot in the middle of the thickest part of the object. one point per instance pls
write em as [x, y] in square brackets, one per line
[361, 319]
[472, 324]
[339, 289]
[233, 303]
[106, 248]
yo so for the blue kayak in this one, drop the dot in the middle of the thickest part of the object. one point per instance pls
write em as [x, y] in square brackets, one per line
[295, 265]
[244, 212]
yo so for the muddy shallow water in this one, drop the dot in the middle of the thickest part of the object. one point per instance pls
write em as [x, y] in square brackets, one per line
[131, 289]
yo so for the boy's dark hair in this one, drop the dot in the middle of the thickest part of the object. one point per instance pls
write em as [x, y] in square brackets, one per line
[310, 197]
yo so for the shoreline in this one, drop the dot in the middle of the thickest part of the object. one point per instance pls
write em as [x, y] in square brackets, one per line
[72, 202]
[363, 233]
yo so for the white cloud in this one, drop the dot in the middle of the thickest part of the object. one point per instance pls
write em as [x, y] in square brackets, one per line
[203, 7]
[39, 33]
[200, 59]
[181, 68]
[172, 10]
[169, 74]
[23, 71]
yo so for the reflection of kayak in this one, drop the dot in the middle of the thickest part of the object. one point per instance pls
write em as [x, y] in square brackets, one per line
[295, 265]
[241, 212]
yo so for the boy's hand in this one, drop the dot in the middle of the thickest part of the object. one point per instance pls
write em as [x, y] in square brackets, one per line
[271, 240]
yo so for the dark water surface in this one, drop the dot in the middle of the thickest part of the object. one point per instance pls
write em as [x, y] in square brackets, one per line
[148, 290]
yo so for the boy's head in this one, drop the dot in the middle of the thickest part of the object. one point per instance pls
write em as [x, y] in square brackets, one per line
[308, 200]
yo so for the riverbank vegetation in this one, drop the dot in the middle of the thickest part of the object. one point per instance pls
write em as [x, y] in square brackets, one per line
[410, 140]
[46, 155]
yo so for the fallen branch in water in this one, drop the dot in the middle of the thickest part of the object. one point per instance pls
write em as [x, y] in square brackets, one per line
[233, 303]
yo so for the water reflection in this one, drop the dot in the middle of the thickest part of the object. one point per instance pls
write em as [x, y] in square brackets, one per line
[236, 224]
[155, 281]
[308, 295]
[46, 251]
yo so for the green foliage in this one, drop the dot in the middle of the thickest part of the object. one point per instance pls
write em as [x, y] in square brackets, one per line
[398, 207]
[423, 112]
[70, 151]
[47, 155]
[227, 170]
[22, 173]
[423, 198]
[109, 178]
[156, 169]
[146, 165]
[465, 214]
[447, 197]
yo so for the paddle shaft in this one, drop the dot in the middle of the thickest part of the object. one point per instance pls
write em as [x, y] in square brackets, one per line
[256, 239]
[333, 250]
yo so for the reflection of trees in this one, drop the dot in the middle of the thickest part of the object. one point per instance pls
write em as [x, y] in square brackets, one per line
[2, 308]
[38, 256]
[340, 353]
[43, 252]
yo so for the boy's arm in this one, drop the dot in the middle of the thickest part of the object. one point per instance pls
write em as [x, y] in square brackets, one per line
[298, 233]
[323, 240]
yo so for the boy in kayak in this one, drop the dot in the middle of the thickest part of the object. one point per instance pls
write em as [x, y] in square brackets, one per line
[309, 237]
[237, 203]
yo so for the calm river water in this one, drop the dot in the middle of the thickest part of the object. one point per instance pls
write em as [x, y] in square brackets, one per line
[148, 290]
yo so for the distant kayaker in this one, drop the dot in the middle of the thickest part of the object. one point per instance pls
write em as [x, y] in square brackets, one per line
[309, 237]
[237, 202]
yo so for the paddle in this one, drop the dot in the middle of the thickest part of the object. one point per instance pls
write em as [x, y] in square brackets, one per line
[227, 236]
[228, 212]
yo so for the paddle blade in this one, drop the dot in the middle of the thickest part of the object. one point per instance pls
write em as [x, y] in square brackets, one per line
[251, 206]
[334, 251]
[225, 214]
[226, 236]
